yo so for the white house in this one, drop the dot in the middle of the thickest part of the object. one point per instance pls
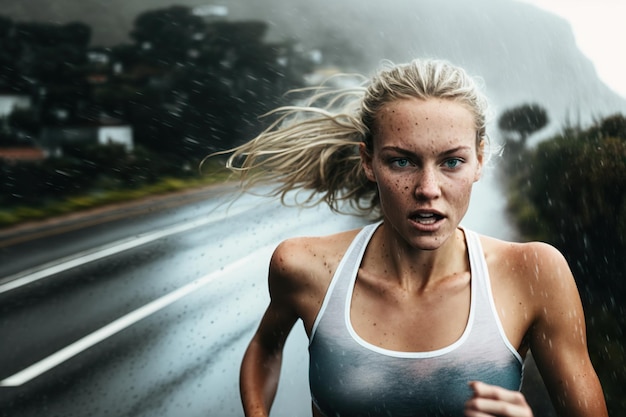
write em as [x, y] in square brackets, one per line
[119, 134]
[103, 132]
[11, 101]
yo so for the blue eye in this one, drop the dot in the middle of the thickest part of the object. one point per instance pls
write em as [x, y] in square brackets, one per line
[400, 162]
[452, 163]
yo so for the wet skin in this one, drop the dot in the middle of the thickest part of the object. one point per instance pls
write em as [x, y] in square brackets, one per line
[424, 161]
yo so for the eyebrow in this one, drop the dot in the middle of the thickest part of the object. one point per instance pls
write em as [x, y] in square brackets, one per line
[444, 153]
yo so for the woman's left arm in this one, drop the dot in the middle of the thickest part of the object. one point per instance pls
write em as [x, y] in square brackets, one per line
[558, 338]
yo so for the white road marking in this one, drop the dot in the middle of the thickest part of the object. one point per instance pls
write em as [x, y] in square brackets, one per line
[43, 271]
[123, 322]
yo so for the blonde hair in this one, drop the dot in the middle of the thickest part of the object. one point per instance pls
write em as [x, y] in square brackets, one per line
[314, 147]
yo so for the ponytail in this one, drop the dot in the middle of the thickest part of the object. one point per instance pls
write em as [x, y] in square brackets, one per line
[314, 149]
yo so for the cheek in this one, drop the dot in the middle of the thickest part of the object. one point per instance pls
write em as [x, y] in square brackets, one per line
[390, 181]
[395, 191]
[463, 190]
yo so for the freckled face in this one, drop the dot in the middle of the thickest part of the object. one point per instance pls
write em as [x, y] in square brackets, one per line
[424, 161]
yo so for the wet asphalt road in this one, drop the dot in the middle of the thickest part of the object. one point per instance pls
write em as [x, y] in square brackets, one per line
[147, 311]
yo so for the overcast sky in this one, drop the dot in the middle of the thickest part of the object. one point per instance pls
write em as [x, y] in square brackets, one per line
[600, 30]
[599, 26]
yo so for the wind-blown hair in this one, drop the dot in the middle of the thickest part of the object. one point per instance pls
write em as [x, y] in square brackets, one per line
[314, 147]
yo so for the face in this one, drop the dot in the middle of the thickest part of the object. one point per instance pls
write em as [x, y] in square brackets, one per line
[424, 162]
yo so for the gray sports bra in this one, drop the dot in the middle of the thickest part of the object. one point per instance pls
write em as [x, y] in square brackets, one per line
[350, 377]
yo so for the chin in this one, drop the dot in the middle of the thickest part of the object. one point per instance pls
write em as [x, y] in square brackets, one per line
[432, 240]
[427, 244]
[422, 241]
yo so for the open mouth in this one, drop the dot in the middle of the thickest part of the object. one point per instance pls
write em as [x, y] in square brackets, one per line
[427, 218]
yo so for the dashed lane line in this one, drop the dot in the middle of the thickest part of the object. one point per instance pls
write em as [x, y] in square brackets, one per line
[57, 358]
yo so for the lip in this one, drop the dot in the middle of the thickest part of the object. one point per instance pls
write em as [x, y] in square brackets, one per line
[439, 218]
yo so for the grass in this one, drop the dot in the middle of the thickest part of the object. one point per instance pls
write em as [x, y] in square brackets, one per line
[46, 209]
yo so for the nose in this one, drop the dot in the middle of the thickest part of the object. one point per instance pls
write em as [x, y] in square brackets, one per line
[428, 184]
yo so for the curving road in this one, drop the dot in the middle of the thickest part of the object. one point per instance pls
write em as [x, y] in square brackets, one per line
[147, 312]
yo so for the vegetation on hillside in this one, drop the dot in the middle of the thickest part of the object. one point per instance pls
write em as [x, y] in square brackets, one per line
[570, 191]
[188, 85]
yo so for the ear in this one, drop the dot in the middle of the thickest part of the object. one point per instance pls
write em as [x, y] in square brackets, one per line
[480, 156]
[366, 162]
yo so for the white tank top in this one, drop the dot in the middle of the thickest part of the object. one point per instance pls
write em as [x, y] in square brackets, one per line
[350, 377]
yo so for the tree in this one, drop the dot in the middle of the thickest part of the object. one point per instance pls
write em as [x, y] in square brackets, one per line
[52, 53]
[205, 82]
[53, 58]
[165, 36]
[575, 196]
[524, 120]
[10, 76]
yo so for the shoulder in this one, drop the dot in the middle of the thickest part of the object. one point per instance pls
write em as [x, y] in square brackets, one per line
[301, 270]
[303, 255]
[537, 271]
[530, 259]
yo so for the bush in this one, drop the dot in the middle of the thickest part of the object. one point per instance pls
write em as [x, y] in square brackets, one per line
[571, 192]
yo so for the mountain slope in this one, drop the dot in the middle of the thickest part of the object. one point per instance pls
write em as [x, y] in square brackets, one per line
[523, 53]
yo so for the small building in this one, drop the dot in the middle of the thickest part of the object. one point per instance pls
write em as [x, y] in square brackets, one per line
[11, 101]
[103, 132]
[120, 134]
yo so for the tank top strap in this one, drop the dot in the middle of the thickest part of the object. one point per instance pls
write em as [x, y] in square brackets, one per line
[478, 269]
[346, 270]
[487, 320]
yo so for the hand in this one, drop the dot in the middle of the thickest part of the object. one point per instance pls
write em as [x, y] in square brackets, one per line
[494, 401]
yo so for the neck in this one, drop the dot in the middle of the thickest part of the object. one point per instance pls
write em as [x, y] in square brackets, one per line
[416, 269]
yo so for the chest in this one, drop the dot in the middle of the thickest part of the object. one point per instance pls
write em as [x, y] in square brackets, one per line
[373, 355]
[396, 319]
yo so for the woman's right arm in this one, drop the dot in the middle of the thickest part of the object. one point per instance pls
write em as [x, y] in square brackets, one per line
[260, 368]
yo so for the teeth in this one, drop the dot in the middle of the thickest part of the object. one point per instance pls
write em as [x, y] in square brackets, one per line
[428, 218]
